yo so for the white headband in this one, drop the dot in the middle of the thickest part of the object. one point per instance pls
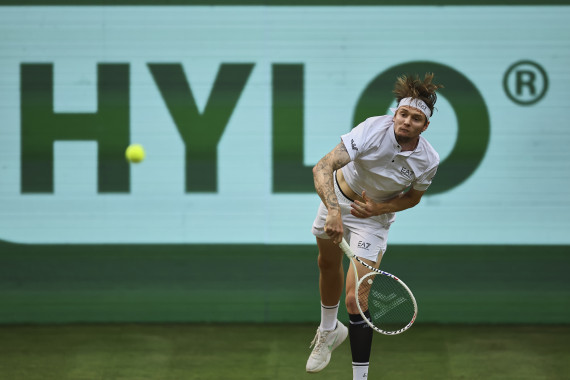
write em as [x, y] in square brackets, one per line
[416, 103]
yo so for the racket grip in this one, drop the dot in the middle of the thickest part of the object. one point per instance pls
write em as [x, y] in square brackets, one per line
[345, 247]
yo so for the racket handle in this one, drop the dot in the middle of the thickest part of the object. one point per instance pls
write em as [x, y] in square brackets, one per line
[345, 248]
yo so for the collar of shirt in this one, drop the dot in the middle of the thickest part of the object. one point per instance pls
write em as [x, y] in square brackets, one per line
[398, 148]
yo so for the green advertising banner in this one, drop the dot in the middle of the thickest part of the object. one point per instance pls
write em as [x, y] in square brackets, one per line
[234, 105]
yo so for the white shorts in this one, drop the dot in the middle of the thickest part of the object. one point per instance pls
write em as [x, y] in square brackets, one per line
[367, 237]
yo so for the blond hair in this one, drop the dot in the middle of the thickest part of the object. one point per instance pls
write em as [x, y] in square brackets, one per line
[408, 86]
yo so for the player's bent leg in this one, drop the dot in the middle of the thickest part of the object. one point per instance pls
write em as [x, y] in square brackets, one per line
[350, 296]
[323, 345]
[360, 333]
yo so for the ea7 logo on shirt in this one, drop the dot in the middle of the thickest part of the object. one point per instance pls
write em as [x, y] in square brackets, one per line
[353, 144]
[363, 245]
[407, 172]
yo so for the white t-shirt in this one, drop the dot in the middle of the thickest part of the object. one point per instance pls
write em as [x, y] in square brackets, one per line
[380, 167]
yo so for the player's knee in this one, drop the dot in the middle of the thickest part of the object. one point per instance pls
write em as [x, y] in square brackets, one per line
[327, 263]
[350, 301]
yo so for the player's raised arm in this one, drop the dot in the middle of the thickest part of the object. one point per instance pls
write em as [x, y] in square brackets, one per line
[323, 177]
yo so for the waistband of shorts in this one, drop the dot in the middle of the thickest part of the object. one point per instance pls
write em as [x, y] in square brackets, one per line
[339, 189]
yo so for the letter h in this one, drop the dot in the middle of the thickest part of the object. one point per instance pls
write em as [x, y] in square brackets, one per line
[41, 127]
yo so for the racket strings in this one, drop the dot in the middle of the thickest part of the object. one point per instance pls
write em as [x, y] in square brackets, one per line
[389, 303]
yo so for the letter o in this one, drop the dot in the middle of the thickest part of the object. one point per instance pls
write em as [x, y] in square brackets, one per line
[470, 109]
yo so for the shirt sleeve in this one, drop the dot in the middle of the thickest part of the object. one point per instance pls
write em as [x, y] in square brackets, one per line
[359, 140]
[423, 182]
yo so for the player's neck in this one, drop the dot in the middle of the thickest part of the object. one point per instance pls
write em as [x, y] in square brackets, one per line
[407, 143]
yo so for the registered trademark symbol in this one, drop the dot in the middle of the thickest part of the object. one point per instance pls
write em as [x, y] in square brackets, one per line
[525, 82]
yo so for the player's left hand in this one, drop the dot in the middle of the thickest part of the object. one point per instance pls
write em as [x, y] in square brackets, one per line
[364, 209]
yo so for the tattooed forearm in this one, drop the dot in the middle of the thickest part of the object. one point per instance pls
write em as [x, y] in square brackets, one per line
[323, 175]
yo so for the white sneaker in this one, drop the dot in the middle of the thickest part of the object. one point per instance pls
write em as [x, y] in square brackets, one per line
[325, 342]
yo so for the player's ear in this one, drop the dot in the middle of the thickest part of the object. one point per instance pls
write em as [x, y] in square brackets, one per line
[425, 126]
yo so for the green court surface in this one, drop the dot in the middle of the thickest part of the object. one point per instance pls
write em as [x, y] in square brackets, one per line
[277, 351]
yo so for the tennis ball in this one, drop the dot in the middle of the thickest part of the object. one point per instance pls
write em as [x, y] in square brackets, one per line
[135, 153]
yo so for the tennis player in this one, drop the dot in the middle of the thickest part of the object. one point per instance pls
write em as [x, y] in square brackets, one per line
[380, 167]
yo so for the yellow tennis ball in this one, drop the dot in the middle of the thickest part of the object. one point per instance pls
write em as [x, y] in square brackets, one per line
[135, 153]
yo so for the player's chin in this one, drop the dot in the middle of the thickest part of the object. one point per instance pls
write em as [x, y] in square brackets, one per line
[403, 135]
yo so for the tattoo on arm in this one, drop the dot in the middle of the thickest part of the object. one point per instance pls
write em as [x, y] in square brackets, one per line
[323, 174]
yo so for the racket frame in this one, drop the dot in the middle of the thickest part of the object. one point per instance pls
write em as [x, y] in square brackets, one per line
[353, 258]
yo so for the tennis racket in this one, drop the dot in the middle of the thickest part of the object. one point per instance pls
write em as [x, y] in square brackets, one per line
[391, 304]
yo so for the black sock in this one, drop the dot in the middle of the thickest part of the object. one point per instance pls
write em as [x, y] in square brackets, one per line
[360, 335]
